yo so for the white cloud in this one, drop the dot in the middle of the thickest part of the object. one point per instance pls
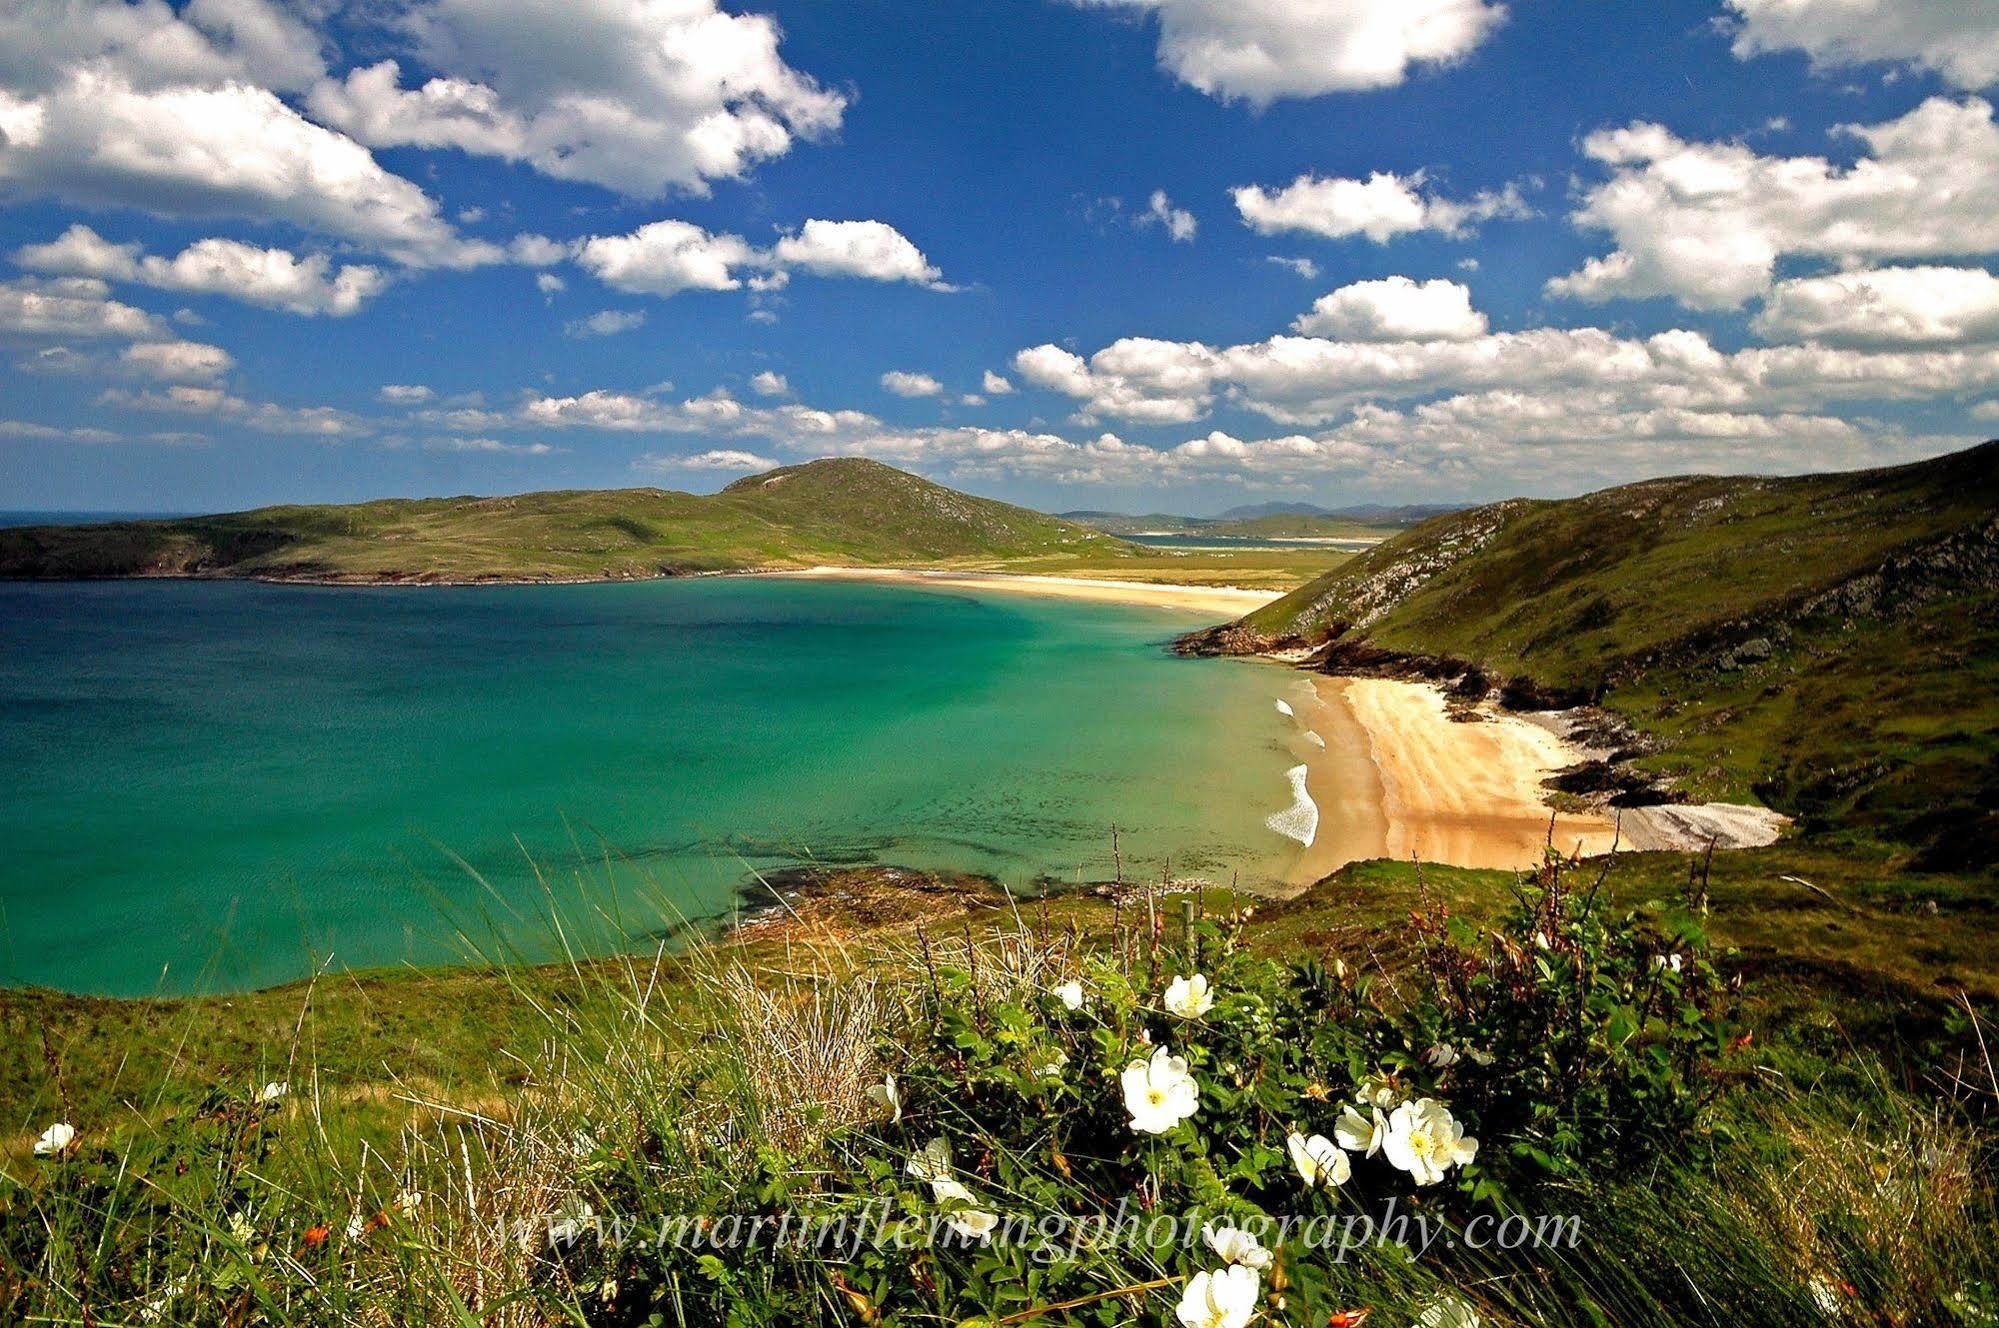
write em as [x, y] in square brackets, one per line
[259, 416]
[549, 284]
[641, 96]
[71, 307]
[1299, 267]
[233, 150]
[1380, 207]
[605, 323]
[208, 41]
[770, 384]
[1137, 378]
[1897, 306]
[1707, 222]
[870, 250]
[1395, 309]
[665, 258]
[177, 361]
[1261, 50]
[1179, 223]
[405, 394]
[275, 278]
[906, 384]
[1959, 39]
[491, 445]
[714, 459]
[996, 385]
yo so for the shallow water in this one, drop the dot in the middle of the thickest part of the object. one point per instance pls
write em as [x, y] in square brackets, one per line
[218, 785]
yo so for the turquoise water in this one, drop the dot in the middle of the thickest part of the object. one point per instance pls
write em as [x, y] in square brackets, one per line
[219, 785]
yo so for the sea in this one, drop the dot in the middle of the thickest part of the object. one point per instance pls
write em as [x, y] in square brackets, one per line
[215, 786]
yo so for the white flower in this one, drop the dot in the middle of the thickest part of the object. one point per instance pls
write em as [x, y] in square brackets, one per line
[1361, 1134]
[1070, 994]
[1052, 1067]
[1319, 1161]
[1189, 997]
[1667, 961]
[156, 1309]
[1235, 1245]
[1441, 1057]
[1378, 1093]
[240, 1228]
[972, 1223]
[1540, 940]
[356, 1228]
[1448, 1311]
[931, 1163]
[1222, 1299]
[1159, 1093]
[582, 1143]
[886, 1096]
[1425, 1141]
[407, 1203]
[272, 1093]
[55, 1140]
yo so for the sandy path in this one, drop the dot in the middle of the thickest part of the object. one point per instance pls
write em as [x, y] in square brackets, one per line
[1399, 778]
[1220, 601]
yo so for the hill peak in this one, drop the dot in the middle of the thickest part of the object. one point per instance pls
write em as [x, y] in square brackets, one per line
[822, 469]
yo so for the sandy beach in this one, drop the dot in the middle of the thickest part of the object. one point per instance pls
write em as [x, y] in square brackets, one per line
[1221, 601]
[1397, 777]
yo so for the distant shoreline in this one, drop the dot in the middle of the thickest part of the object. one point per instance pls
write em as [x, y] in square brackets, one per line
[1230, 601]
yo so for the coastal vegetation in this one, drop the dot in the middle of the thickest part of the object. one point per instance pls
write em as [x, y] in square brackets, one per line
[1019, 1096]
[839, 511]
[1827, 644]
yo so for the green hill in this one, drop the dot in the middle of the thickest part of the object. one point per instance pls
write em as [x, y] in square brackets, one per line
[1828, 643]
[845, 510]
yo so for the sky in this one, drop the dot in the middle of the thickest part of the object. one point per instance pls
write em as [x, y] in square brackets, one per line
[1147, 255]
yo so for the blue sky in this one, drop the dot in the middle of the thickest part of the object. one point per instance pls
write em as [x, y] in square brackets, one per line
[1145, 254]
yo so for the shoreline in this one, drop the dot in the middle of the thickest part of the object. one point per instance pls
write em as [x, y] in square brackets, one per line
[1230, 601]
[1396, 775]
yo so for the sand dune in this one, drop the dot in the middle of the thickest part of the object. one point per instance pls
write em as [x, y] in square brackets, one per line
[1223, 602]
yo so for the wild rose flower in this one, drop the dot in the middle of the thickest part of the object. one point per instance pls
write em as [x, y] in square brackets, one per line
[1189, 997]
[1236, 1246]
[1441, 1057]
[1320, 1163]
[886, 1096]
[973, 1223]
[932, 1162]
[1425, 1141]
[567, 1224]
[1361, 1134]
[55, 1140]
[1159, 1093]
[1668, 962]
[1448, 1311]
[1070, 994]
[272, 1093]
[1222, 1299]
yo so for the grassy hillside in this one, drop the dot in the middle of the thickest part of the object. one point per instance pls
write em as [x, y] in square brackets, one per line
[1828, 643]
[834, 511]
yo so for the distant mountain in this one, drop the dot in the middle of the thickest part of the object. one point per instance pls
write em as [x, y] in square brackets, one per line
[842, 510]
[1254, 510]
[1828, 643]
[1267, 521]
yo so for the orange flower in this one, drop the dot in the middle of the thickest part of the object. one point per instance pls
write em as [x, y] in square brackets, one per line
[1348, 1318]
[315, 1236]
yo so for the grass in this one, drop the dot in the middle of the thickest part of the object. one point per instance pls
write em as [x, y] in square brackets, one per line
[1820, 1188]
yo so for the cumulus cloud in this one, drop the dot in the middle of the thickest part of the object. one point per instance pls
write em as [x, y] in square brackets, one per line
[770, 384]
[1178, 222]
[906, 384]
[666, 257]
[721, 458]
[1960, 41]
[177, 361]
[258, 416]
[870, 250]
[636, 95]
[1395, 309]
[207, 41]
[1261, 50]
[605, 323]
[1897, 306]
[232, 150]
[1380, 207]
[274, 278]
[996, 385]
[75, 307]
[1706, 223]
[405, 394]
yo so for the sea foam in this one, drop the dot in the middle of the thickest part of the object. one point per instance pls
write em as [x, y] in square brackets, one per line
[1284, 709]
[1299, 821]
